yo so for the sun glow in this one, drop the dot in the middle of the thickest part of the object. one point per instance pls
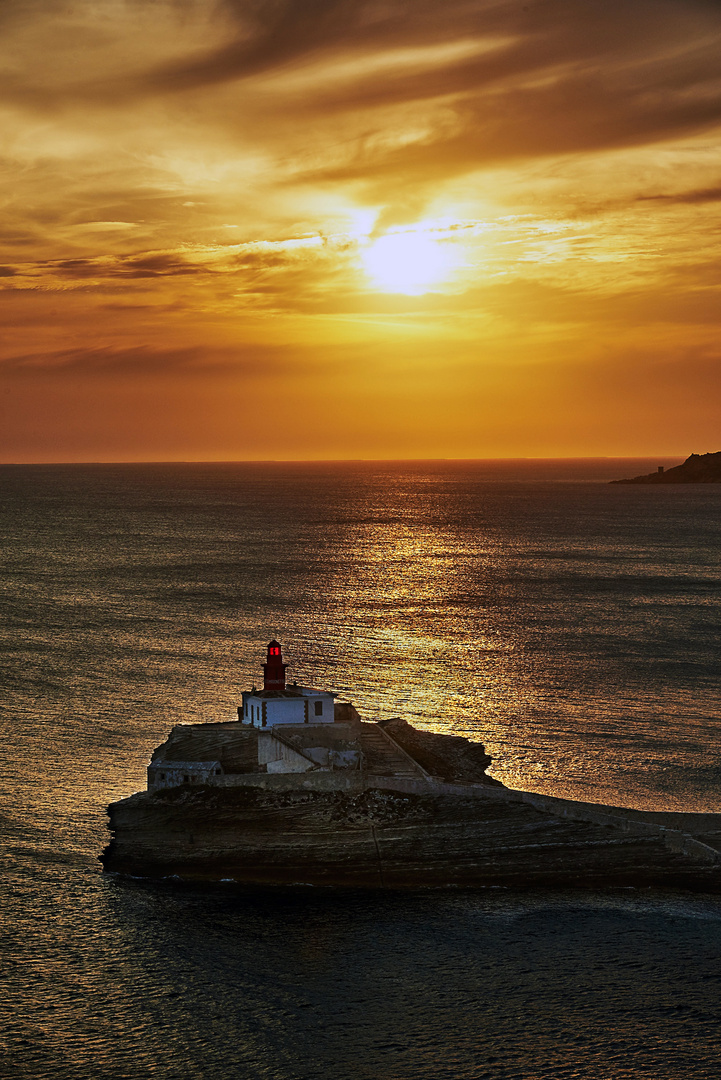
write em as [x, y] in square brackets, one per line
[407, 262]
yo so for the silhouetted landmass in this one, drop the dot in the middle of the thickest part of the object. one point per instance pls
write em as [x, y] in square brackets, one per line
[697, 469]
[418, 810]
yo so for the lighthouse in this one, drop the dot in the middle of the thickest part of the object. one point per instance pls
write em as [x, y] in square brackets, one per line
[277, 703]
[274, 668]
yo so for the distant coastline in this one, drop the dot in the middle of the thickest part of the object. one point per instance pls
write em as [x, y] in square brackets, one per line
[505, 470]
[696, 469]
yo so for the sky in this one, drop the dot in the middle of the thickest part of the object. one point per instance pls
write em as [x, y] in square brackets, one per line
[312, 229]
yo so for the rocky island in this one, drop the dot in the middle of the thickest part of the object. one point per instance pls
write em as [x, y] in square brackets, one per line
[301, 790]
[696, 469]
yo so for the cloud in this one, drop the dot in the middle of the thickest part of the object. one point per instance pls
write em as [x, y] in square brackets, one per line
[157, 265]
[391, 101]
[561, 93]
[185, 116]
[249, 362]
[701, 195]
[264, 272]
[530, 74]
[85, 272]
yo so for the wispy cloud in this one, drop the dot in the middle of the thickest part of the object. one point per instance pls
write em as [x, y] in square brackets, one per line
[690, 198]
[145, 361]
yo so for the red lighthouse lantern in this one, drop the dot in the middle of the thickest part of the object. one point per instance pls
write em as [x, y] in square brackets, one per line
[274, 668]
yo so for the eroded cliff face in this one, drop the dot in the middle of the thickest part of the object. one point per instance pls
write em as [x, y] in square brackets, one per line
[448, 757]
[382, 838]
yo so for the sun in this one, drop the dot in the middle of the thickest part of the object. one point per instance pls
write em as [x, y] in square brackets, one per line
[406, 262]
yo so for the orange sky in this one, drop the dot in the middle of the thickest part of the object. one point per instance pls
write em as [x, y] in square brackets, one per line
[335, 228]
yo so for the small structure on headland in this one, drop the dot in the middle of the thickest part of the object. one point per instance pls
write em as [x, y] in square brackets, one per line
[301, 789]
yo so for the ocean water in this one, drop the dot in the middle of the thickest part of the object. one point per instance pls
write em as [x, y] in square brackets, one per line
[572, 626]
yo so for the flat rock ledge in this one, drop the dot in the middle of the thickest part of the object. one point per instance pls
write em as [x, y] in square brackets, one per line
[380, 832]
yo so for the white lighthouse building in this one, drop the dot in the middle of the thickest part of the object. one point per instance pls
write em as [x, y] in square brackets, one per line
[277, 703]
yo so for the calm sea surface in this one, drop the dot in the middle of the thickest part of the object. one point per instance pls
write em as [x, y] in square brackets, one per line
[572, 626]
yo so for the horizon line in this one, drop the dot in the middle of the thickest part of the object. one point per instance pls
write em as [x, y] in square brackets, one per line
[346, 461]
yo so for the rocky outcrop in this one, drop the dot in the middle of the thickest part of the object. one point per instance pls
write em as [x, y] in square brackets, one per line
[380, 837]
[233, 744]
[696, 469]
[449, 757]
[421, 811]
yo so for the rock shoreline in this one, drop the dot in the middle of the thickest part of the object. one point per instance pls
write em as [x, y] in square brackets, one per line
[365, 831]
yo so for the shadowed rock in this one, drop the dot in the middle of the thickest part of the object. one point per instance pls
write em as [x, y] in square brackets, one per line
[450, 757]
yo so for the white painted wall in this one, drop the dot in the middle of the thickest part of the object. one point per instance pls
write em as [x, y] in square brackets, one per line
[289, 710]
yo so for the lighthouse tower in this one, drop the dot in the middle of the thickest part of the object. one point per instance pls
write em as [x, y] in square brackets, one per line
[274, 668]
[277, 703]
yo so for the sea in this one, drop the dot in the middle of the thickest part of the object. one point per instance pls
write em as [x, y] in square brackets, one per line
[572, 626]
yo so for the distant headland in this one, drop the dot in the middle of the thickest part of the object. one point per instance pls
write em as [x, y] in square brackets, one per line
[697, 469]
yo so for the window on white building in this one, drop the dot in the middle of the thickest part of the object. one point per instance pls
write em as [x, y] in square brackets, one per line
[319, 708]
